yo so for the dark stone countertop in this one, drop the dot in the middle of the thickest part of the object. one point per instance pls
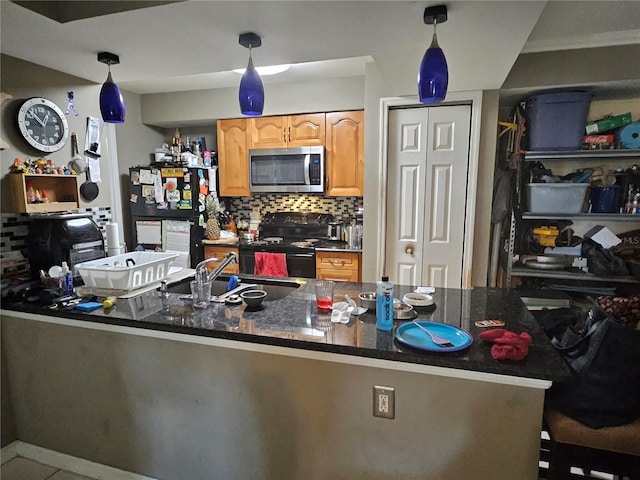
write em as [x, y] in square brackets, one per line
[295, 322]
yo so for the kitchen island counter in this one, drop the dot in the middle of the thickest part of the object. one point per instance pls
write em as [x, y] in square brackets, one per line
[295, 322]
[152, 386]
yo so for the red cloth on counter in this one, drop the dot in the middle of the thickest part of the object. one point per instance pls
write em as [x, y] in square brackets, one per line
[507, 345]
[270, 264]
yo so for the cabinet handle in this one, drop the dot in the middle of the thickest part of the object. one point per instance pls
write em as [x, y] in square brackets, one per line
[289, 134]
[284, 135]
[408, 250]
[337, 262]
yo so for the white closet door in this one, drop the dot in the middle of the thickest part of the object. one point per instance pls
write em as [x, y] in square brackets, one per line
[426, 190]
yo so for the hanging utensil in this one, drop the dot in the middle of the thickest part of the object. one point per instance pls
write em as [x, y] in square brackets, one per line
[77, 163]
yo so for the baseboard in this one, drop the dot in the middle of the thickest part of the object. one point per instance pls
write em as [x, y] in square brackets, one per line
[69, 463]
[9, 452]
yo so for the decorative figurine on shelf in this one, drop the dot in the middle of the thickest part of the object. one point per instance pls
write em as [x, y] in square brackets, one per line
[40, 166]
[212, 206]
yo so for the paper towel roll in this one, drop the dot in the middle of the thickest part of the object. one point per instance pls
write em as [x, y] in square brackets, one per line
[629, 136]
[113, 237]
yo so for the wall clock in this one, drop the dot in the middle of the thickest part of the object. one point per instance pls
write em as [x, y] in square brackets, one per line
[43, 125]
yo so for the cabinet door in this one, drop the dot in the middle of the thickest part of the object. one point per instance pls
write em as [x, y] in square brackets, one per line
[233, 143]
[269, 132]
[345, 153]
[219, 252]
[306, 130]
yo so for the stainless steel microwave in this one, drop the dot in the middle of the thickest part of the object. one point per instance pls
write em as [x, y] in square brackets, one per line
[289, 170]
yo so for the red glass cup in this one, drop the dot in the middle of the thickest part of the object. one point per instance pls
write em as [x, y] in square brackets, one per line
[324, 294]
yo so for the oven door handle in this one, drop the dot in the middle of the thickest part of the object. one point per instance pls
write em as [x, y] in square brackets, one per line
[300, 255]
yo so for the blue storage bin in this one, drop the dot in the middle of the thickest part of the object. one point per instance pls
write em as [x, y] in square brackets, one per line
[556, 121]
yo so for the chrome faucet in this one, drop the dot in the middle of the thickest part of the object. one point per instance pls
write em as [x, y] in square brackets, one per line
[201, 269]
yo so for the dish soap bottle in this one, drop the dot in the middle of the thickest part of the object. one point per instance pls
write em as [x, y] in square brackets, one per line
[66, 280]
[384, 304]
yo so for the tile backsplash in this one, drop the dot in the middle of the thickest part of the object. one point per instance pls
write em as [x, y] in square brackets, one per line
[342, 208]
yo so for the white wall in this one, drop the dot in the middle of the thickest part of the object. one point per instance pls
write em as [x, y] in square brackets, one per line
[24, 80]
[204, 107]
[122, 145]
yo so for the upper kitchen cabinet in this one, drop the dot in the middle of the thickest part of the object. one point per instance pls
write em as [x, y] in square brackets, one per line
[288, 131]
[344, 153]
[234, 139]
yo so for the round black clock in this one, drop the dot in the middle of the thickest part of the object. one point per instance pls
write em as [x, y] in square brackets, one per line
[43, 124]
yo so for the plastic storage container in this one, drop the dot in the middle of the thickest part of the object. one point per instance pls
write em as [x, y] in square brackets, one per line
[556, 197]
[605, 199]
[126, 272]
[556, 121]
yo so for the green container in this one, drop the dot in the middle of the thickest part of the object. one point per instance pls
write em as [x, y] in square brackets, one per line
[608, 123]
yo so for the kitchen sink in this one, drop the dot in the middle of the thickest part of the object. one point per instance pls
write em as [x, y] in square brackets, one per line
[276, 289]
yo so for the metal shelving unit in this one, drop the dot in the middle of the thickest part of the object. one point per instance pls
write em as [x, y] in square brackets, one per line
[512, 269]
[583, 155]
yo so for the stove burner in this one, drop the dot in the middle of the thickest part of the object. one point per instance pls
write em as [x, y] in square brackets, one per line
[275, 240]
[258, 242]
[301, 244]
[311, 240]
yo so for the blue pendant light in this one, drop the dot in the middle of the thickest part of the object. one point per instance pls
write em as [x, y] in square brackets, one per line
[433, 76]
[251, 92]
[111, 101]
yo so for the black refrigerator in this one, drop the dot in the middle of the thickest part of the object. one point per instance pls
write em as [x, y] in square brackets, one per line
[168, 209]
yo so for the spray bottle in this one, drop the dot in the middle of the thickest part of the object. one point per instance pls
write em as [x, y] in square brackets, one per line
[66, 280]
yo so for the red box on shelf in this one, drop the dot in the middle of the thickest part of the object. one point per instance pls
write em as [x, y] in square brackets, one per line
[598, 139]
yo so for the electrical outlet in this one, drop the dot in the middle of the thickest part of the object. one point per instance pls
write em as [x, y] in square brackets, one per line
[384, 402]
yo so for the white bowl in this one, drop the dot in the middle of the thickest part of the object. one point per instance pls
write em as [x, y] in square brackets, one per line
[418, 299]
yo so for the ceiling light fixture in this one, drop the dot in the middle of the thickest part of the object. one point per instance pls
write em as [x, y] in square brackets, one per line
[251, 92]
[111, 101]
[266, 71]
[433, 76]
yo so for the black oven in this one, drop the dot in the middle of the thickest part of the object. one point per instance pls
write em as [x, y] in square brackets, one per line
[291, 233]
[299, 264]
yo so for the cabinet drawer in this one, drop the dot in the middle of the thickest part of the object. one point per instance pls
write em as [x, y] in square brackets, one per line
[337, 275]
[341, 261]
[220, 252]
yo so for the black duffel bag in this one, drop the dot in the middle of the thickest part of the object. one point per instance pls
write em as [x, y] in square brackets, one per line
[603, 261]
[605, 357]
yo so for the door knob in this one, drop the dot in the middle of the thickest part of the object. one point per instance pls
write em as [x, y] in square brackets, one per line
[408, 250]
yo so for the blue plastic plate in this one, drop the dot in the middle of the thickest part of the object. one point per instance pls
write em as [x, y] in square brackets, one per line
[412, 336]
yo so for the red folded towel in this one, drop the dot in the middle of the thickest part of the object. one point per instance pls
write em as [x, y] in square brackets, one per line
[270, 264]
[506, 344]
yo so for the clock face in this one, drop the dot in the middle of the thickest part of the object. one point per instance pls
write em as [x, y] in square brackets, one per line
[43, 124]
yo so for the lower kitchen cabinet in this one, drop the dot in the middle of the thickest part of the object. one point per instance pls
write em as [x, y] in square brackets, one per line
[338, 266]
[219, 252]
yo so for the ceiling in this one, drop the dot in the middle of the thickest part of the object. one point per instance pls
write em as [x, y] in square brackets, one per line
[192, 45]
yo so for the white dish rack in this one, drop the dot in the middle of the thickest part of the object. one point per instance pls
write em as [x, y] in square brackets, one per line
[128, 271]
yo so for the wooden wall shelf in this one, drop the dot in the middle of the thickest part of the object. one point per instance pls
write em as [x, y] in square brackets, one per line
[62, 191]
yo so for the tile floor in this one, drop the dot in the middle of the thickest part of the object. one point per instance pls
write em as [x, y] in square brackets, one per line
[24, 469]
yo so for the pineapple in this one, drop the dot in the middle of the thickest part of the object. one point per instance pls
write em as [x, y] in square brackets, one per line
[213, 226]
